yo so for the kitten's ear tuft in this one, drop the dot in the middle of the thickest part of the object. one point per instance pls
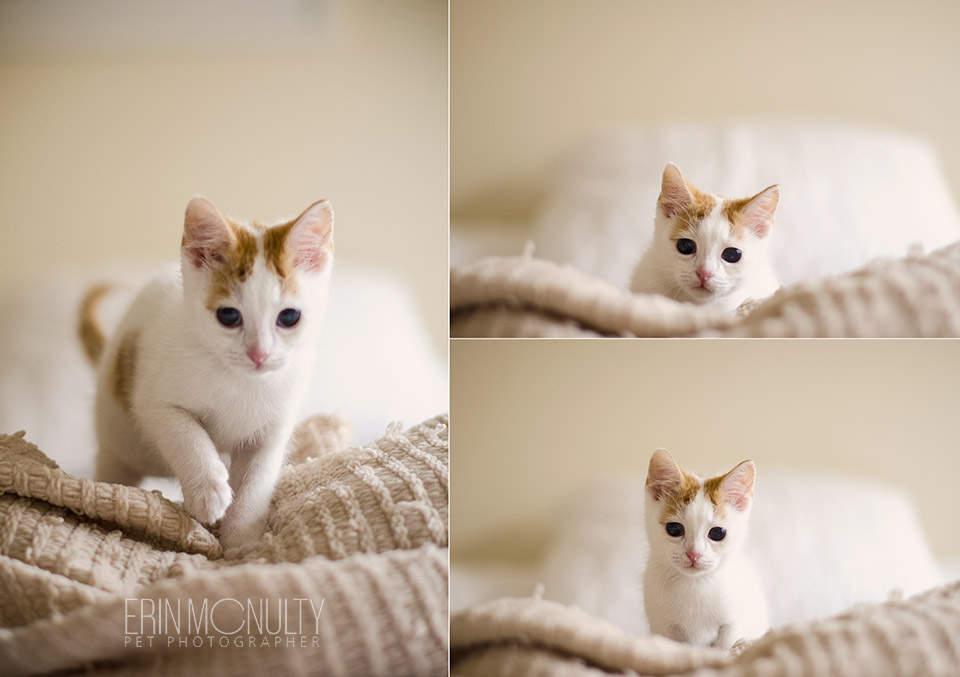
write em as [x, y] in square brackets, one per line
[737, 485]
[310, 241]
[675, 194]
[664, 475]
[759, 211]
[206, 234]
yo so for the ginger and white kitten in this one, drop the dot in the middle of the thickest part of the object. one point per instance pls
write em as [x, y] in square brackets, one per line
[707, 249]
[698, 587]
[204, 375]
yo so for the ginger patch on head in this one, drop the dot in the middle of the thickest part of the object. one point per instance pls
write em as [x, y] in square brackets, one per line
[733, 212]
[680, 496]
[713, 490]
[668, 484]
[277, 255]
[733, 488]
[752, 214]
[691, 215]
[236, 267]
[124, 370]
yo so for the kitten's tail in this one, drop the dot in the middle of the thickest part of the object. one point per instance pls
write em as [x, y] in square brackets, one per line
[89, 328]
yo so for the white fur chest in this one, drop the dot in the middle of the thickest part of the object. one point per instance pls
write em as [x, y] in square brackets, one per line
[716, 609]
[251, 409]
[238, 409]
[684, 608]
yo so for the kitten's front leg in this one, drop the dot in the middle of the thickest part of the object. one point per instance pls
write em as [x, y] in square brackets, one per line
[190, 453]
[253, 476]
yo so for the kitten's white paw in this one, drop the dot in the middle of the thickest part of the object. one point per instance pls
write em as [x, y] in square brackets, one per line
[748, 306]
[207, 500]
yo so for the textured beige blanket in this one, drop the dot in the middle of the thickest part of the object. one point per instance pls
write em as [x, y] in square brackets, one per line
[917, 296]
[351, 578]
[919, 636]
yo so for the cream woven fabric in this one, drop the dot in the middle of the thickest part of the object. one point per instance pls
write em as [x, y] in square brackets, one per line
[365, 530]
[919, 636]
[917, 296]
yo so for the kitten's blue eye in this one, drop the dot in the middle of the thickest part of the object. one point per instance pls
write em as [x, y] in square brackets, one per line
[716, 534]
[731, 254]
[229, 317]
[675, 529]
[288, 317]
[686, 246]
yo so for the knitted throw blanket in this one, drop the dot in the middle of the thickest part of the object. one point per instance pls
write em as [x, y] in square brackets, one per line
[351, 578]
[919, 636]
[917, 296]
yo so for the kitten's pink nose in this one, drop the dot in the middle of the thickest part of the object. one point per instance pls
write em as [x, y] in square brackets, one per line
[693, 556]
[257, 356]
[704, 274]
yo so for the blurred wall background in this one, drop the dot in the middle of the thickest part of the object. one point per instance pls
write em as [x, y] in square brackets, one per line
[529, 78]
[535, 423]
[115, 113]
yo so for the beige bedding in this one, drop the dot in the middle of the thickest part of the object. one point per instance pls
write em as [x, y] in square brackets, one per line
[362, 531]
[918, 636]
[916, 296]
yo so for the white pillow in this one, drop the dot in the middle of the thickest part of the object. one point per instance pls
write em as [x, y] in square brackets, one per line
[375, 363]
[848, 194]
[821, 543]
[476, 582]
[472, 239]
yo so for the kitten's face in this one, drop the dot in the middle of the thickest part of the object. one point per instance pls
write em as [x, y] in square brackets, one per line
[693, 524]
[256, 326]
[256, 293]
[708, 258]
[709, 243]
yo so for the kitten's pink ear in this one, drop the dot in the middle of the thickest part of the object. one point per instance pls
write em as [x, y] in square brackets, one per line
[675, 195]
[311, 237]
[664, 475]
[758, 213]
[206, 234]
[737, 485]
